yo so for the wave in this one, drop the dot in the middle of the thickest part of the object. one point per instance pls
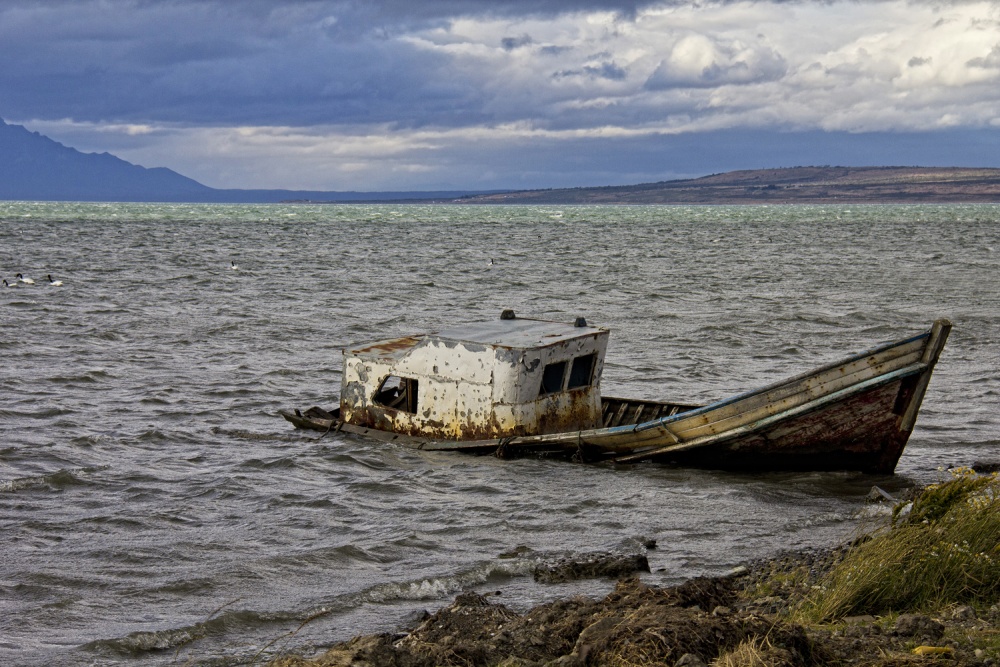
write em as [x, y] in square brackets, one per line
[242, 434]
[43, 413]
[236, 622]
[55, 481]
[90, 377]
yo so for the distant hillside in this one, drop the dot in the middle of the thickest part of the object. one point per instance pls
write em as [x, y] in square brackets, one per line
[794, 185]
[34, 167]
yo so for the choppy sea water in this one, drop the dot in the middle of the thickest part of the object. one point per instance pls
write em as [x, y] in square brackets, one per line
[155, 509]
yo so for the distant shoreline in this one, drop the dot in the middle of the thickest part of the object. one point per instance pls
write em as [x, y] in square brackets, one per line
[36, 168]
[793, 185]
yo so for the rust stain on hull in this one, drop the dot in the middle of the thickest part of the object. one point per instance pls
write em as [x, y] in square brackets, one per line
[389, 346]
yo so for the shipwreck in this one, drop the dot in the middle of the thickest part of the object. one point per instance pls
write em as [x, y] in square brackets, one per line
[517, 386]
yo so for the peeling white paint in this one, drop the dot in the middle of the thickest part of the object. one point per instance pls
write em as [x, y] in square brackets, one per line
[477, 381]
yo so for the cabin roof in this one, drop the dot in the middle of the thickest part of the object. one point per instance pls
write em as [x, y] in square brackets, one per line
[516, 333]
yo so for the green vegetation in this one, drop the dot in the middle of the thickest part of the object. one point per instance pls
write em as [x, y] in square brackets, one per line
[943, 549]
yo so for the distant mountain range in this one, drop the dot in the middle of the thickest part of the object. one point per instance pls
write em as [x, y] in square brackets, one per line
[34, 167]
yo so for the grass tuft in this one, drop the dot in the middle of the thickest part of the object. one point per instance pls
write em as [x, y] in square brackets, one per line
[942, 549]
[754, 652]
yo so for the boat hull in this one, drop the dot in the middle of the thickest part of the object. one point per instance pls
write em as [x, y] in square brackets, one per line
[858, 433]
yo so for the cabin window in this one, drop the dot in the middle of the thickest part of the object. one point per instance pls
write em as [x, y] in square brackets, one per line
[398, 393]
[552, 378]
[581, 373]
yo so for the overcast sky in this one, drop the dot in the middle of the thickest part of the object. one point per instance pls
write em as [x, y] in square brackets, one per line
[482, 94]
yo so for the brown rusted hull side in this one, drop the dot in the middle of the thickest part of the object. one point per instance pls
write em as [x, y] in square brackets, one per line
[861, 433]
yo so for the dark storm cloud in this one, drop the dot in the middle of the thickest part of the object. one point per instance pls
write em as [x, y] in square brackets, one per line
[211, 62]
[605, 70]
[389, 14]
[258, 61]
[511, 43]
[250, 62]
[305, 62]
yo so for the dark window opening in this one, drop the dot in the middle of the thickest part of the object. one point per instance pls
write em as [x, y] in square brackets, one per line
[581, 374]
[552, 378]
[398, 393]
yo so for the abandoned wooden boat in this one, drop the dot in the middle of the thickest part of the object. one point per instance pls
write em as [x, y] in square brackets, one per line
[517, 386]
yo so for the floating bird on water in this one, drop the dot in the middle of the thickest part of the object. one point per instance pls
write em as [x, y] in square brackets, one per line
[7, 284]
[54, 283]
[26, 281]
[232, 265]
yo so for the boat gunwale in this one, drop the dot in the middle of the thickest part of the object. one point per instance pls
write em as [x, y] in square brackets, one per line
[786, 395]
[731, 400]
[818, 403]
[794, 379]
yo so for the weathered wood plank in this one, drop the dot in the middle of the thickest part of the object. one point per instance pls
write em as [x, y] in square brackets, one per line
[755, 411]
[830, 378]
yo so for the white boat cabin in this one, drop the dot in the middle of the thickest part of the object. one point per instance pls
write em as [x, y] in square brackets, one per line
[478, 381]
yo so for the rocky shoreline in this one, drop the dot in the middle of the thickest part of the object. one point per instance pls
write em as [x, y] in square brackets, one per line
[693, 624]
[752, 616]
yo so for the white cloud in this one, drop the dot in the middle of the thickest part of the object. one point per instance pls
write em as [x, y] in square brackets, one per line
[853, 66]
[699, 61]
